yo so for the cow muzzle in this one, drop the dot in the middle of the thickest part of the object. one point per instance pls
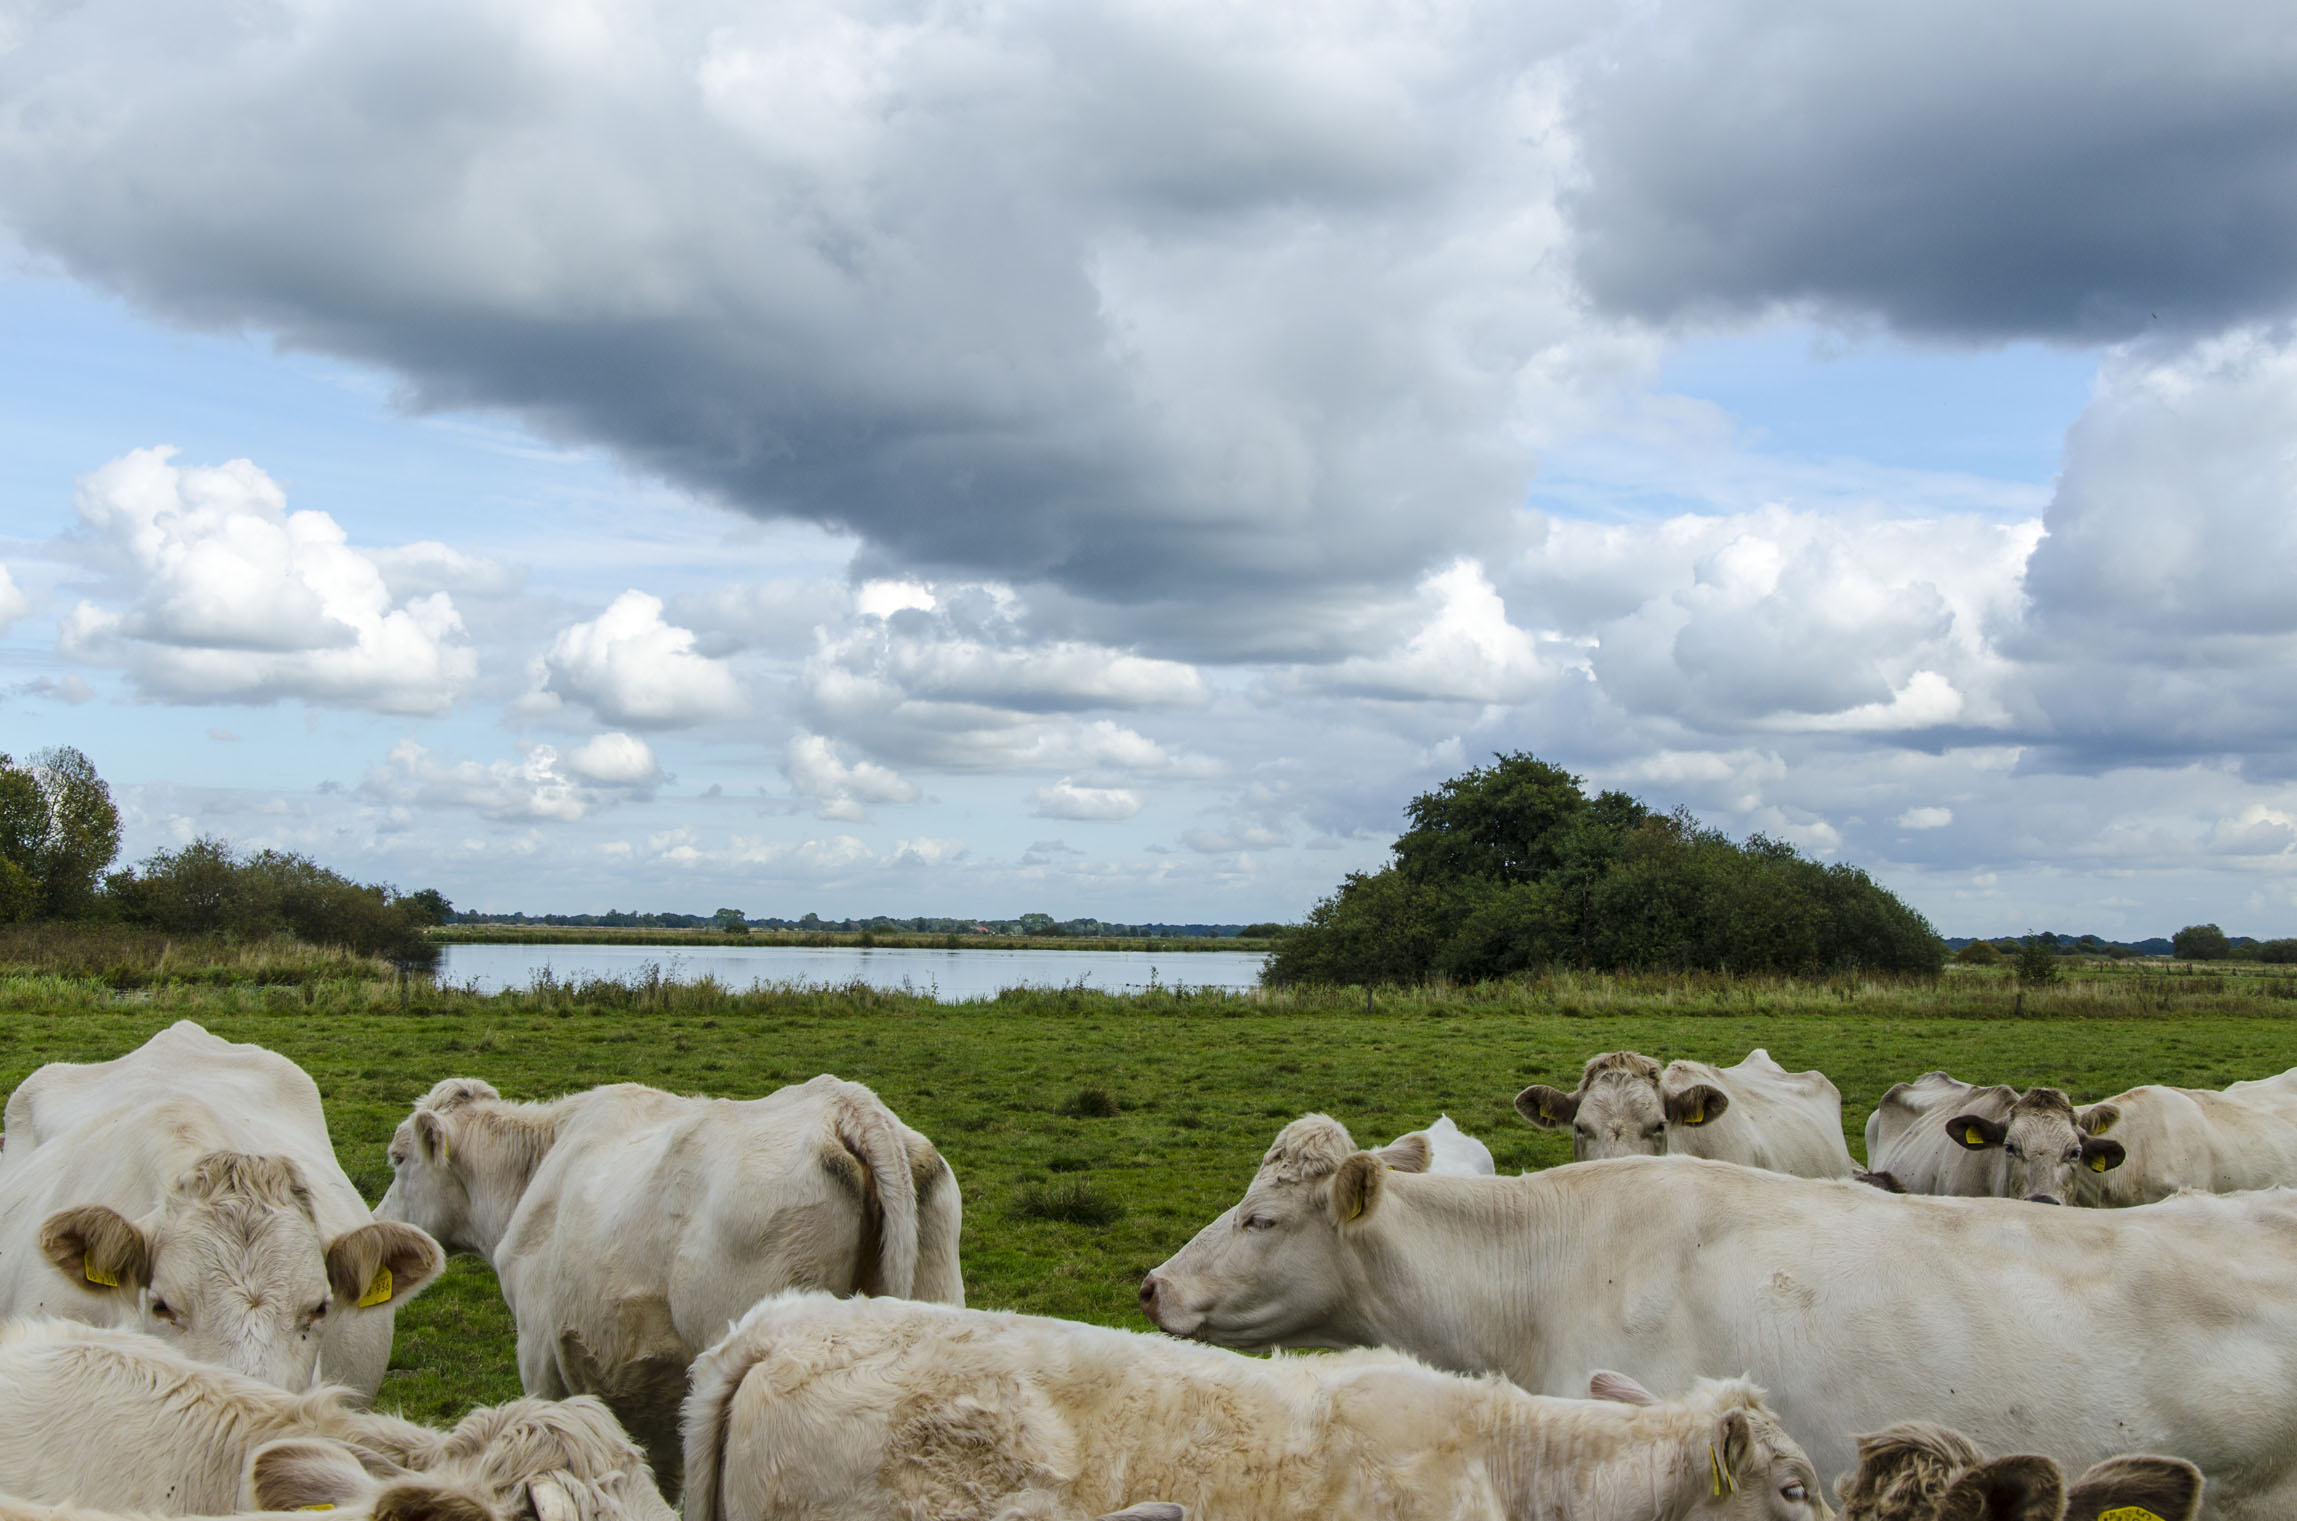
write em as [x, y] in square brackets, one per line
[1157, 1304]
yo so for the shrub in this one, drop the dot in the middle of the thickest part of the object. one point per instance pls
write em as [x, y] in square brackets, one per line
[2038, 963]
[1075, 1202]
[2200, 942]
[1979, 953]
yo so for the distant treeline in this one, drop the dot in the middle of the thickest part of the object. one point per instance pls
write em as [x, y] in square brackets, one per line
[2196, 942]
[1512, 868]
[1038, 925]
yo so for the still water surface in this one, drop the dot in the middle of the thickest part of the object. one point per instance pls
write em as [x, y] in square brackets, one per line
[950, 976]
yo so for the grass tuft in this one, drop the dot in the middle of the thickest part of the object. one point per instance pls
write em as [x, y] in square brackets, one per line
[1092, 1104]
[1075, 1202]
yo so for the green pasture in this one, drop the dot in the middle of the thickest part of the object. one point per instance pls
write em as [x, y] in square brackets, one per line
[1093, 1133]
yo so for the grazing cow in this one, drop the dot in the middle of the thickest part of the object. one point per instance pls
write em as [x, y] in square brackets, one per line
[819, 1409]
[1757, 1114]
[304, 1474]
[629, 1226]
[1938, 1135]
[107, 1419]
[1854, 1308]
[1452, 1152]
[1920, 1472]
[189, 1189]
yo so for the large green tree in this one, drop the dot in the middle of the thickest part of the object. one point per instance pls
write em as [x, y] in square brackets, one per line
[58, 831]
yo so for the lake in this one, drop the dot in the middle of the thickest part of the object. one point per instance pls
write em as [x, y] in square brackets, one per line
[949, 976]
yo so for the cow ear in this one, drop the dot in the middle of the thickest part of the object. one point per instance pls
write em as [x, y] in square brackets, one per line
[1153, 1510]
[2022, 1488]
[1410, 1153]
[1356, 1187]
[385, 1263]
[431, 1136]
[418, 1500]
[1696, 1105]
[1604, 1384]
[1975, 1132]
[2099, 1118]
[2102, 1156]
[1729, 1451]
[1548, 1108]
[2168, 1488]
[304, 1473]
[97, 1248]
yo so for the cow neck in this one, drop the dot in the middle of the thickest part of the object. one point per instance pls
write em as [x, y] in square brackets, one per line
[503, 1147]
[1593, 1460]
[1441, 1272]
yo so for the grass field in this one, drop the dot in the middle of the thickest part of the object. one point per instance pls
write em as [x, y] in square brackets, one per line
[1093, 1133]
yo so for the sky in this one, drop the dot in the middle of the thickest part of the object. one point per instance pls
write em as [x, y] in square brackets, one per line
[1105, 458]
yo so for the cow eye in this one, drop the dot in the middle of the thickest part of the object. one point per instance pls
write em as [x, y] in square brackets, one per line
[2013, 1148]
[1653, 1132]
[1793, 1491]
[161, 1311]
[1258, 1222]
[318, 1313]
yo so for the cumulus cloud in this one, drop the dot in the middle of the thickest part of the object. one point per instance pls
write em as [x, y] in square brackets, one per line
[1464, 650]
[684, 848]
[1279, 340]
[1064, 799]
[2059, 168]
[539, 785]
[226, 596]
[631, 667]
[840, 790]
[1926, 818]
[13, 603]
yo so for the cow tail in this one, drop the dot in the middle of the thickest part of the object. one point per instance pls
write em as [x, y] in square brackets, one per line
[867, 1129]
[717, 1379]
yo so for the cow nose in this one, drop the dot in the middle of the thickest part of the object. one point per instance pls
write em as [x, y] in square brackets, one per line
[2044, 1199]
[1148, 1296]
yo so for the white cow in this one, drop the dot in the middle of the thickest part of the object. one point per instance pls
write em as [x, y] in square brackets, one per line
[305, 1474]
[819, 1409]
[1939, 1135]
[112, 1420]
[1757, 1113]
[188, 1189]
[1856, 1309]
[1920, 1472]
[1452, 1152]
[629, 1226]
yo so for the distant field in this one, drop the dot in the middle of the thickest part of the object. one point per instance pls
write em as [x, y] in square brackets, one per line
[576, 934]
[1200, 1083]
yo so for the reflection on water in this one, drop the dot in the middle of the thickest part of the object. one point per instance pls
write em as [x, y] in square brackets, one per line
[949, 976]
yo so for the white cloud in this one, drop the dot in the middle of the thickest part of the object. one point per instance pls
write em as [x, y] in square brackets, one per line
[229, 597]
[536, 786]
[1465, 649]
[683, 848]
[631, 667]
[1224, 841]
[840, 791]
[929, 851]
[13, 603]
[1064, 799]
[1926, 818]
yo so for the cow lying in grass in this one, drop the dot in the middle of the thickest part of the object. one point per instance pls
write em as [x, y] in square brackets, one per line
[303, 1474]
[1921, 1472]
[820, 1409]
[105, 1418]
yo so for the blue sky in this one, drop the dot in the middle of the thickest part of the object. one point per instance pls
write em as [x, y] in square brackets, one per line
[1104, 459]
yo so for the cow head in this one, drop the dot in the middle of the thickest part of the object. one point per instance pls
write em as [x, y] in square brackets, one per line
[232, 1269]
[1753, 1471]
[554, 1460]
[1620, 1109]
[2042, 1145]
[311, 1473]
[1921, 1472]
[1272, 1271]
[432, 1172]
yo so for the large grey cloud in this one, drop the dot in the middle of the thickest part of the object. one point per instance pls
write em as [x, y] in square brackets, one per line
[2079, 169]
[1155, 302]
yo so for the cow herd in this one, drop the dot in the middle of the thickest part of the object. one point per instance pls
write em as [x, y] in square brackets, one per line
[756, 1306]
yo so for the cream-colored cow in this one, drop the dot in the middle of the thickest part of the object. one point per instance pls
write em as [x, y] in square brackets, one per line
[1856, 1309]
[820, 1409]
[1920, 1472]
[188, 1189]
[629, 1226]
[305, 1474]
[112, 1420]
[1756, 1114]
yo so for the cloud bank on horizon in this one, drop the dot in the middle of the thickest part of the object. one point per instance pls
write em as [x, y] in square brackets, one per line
[1188, 429]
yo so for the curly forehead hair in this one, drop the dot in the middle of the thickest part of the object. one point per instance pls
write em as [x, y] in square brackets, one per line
[1903, 1472]
[1632, 1064]
[1309, 1147]
[2045, 1100]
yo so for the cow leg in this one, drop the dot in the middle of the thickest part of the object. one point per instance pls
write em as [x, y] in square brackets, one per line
[644, 1383]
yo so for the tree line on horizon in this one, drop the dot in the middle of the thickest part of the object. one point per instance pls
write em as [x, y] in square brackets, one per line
[1513, 868]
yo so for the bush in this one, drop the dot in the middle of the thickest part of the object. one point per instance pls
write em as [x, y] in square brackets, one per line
[2038, 963]
[2279, 952]
[1979, 953]
[208, 888]
[2200, 942]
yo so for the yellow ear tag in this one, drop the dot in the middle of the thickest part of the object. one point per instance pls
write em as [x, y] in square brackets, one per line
[1715, 1467]
[2128, 1513]
[1697, 1117]
[445, 1151]
[314, 1507]
[1355, 1213]
[2098, 1164]
[1974, 1136]
[378, 1290]
[95, 1274]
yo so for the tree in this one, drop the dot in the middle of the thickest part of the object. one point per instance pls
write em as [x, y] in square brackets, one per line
[732, 920]
[1979, 953]
[2038, 962]
[2200, 942]
[428, 907]
[58, 831]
